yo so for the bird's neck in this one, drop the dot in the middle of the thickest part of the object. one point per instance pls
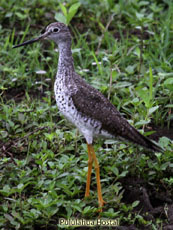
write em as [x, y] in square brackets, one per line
[65, 57]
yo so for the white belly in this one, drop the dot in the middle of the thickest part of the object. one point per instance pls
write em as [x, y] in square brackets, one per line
[87, 126]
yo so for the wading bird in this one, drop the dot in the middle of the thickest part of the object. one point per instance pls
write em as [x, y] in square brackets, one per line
[86, 107]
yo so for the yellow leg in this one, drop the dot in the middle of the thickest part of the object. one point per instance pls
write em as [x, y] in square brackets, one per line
[90, 162]
[97, 169]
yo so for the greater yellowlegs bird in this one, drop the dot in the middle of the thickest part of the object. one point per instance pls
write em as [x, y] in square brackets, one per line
[86, 107]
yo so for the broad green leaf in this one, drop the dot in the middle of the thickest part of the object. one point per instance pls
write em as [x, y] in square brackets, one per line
[74, 7]
[169, 106]
[9, 217]
[130, 69]
[69, 211]
[168, 83]
[61, 18]
[140, 16]
[64, 10]
[153, 109]
[142, 122]
[21, 16]
[20, 186]
[144, 95]
[135, 203]
[72, 11]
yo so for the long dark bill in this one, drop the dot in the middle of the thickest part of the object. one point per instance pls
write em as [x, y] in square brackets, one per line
[28, 42]
[42, 36]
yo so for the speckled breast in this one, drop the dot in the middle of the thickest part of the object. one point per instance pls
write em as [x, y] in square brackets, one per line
[87, 126]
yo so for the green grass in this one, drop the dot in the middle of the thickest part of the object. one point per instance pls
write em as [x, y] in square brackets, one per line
[122, 49]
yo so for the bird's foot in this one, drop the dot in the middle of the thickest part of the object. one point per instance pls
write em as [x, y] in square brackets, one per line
[87, 194]
[101, 204]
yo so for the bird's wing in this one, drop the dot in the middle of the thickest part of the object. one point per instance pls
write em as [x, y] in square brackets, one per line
[90, 102]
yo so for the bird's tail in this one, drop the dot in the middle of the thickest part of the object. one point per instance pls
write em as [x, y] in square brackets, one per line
[139, 139]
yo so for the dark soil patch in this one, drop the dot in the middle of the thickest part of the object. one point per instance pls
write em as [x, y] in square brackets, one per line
[154, 202]
[162, 132]
[18, 94]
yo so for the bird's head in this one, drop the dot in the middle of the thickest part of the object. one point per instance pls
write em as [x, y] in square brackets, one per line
[57, 31]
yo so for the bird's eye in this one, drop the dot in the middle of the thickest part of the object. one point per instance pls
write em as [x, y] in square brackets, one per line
[55, 30]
